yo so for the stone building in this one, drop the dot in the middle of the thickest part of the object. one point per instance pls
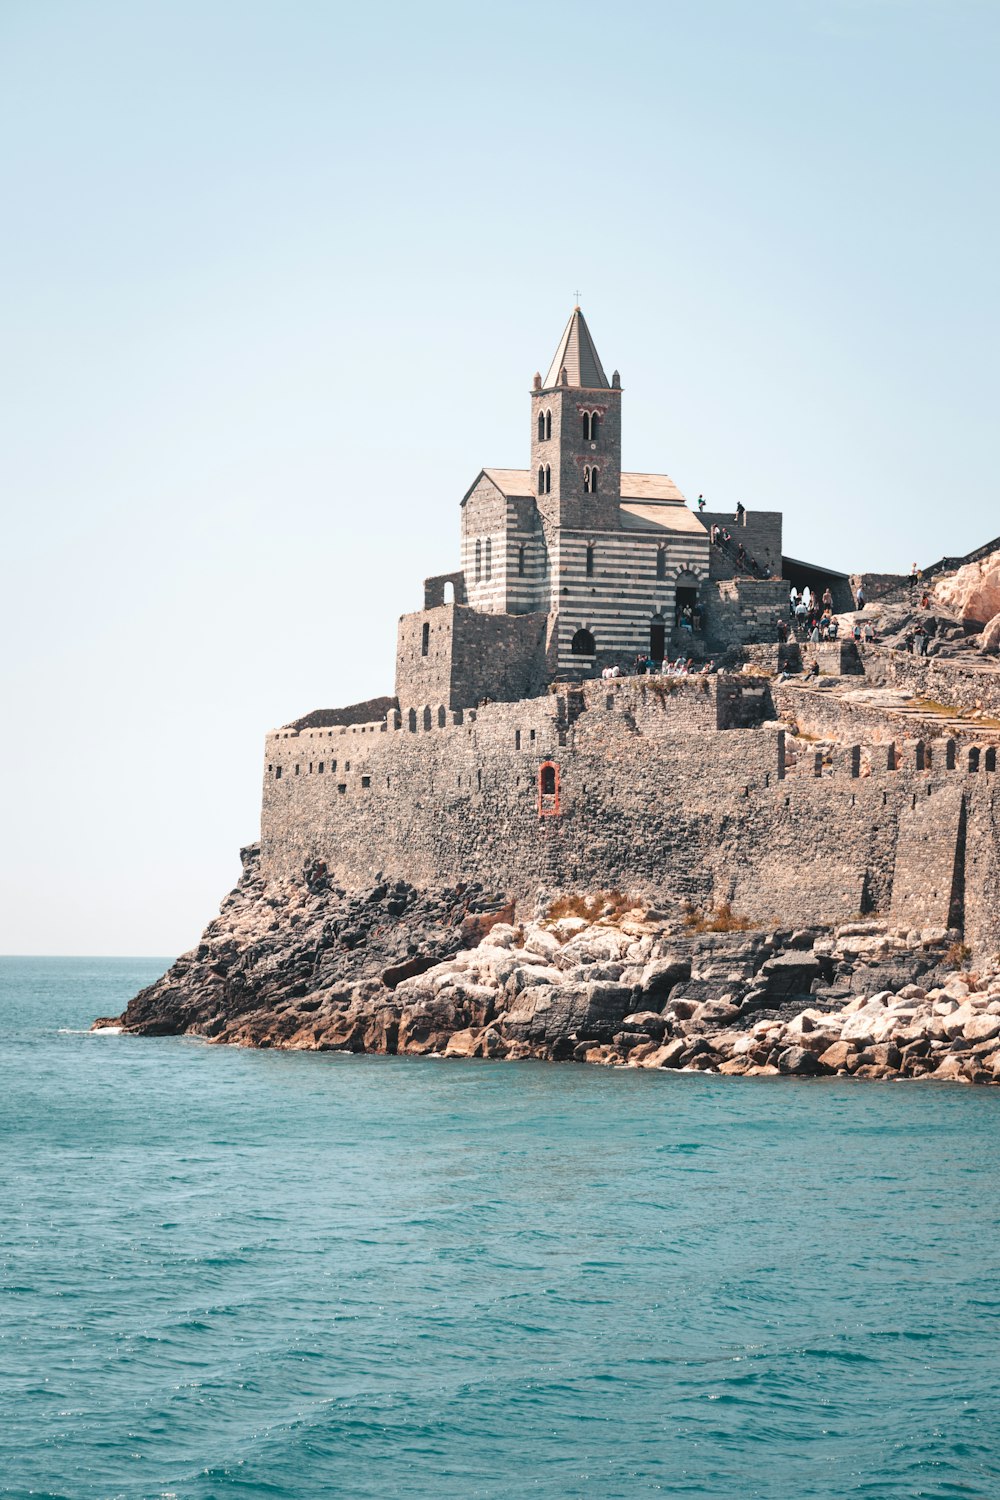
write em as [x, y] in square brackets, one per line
[573, 563]
[678, 788]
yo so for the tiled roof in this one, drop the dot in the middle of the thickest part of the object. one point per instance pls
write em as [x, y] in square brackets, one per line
[650, 487]
[665, 516]
[576, 352]
[647, 499]
[512, 482]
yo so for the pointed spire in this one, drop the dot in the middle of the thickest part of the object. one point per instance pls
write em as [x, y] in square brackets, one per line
[577, 358]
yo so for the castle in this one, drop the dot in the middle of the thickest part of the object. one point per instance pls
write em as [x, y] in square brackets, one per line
[504, 752]
[573, 563]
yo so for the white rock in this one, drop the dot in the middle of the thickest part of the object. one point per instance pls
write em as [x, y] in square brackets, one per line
[568, 927]
[980, 1028]
[544, 943]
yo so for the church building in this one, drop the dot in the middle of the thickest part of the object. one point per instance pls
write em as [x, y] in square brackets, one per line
[573, 563]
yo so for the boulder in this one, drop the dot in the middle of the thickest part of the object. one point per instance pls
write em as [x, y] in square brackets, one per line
[714, 1013]
[981, 1028]
[791, 973]
[797, 1060]
[661, 974]
[989, 641]
[973, 593]
[648, 1021]
[838, 1056]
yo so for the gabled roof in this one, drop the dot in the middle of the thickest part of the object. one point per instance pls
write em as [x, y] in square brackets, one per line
[649, 502]
[578, 356]
[515, 484]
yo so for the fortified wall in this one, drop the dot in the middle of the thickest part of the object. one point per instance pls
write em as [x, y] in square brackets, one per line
[667, 789]
[504, 755]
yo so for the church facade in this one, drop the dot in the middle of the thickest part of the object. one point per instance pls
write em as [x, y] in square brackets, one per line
[569, 565]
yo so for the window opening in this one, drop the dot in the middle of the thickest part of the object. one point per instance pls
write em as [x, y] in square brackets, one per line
[582, 644]
[548, 790]
[489, 558]
[479, 560]
[425, 639]
[520, 561]
[590, 560]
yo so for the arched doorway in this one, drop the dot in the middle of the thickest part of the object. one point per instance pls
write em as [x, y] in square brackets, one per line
[583, 644]
[657, 637]
[685, 595]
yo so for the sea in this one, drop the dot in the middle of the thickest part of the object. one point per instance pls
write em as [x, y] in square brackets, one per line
[248, 1274]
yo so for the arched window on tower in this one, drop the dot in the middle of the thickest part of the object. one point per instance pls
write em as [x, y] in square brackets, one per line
[593, 481]
[541, 427]
[425, 639]
[548, 479]
[520, 561]
[590, 559]
[548, 425]
[586, 479]
[586, 427]
[489, 558]
[479, 560]
[661, 562]
[594, 419]
[582, 644]
[541, 479]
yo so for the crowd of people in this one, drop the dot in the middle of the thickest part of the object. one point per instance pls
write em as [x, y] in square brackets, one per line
[643, 666]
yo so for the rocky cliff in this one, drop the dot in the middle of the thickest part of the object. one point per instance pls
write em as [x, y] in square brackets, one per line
[458, 972]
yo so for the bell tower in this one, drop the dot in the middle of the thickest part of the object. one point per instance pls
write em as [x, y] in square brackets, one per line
[576, 436]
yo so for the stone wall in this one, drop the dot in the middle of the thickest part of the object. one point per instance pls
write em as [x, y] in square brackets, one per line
[456, 656]
[760, 535]
[644, 801]
[743, 610]
[939, 680]
[355, 713]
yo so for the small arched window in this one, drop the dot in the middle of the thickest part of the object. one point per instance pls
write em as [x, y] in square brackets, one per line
[548, 479]
[661, 562]
[590, 559]
[594, 419]
[520, 561]
[586, 479]
[479, 560]
[548, 425]
[593, 481]
[489, 558]
[541, 427]
[586, 427]
[583, 644]
[541, 479]
[425, 639]
[548, 790]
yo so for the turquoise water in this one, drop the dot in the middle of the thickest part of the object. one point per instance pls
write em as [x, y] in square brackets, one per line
[239, 1274]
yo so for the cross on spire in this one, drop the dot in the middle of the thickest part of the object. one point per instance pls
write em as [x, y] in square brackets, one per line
[576, 297]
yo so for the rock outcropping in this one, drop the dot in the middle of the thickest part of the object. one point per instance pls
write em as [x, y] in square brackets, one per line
[973, 592]
[459, 973]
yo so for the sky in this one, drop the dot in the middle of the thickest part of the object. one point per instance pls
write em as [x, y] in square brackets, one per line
[274, 281]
